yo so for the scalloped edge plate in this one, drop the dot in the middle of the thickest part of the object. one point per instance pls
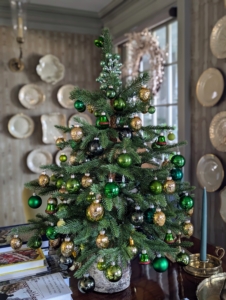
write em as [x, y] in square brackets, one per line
[63, 96]
[218, 39]
[21, 126]
[38, 157]
[72, 122]
[31, 96]
[217, 131]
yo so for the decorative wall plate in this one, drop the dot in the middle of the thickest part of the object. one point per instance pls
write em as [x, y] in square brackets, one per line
[217, 131]
[63, 96]
[50, 69]
[30, 96]
[82, 116]
[49, 132]
[37, 158]
[210, 172]
[223, 204]
[21, 126]
[218, 39]
[66, 151]
[210, 87]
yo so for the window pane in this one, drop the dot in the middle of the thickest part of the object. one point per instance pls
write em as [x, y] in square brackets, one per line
[172, 42]
[160, 33]
[174, 121]
[163, 95]
[174, 83]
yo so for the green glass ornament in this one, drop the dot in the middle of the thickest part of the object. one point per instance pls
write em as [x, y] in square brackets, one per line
[186, 202]
[99, 42]
[37, 243]
[182, 258]
[119, 104]
[151, 109]
[60, 182]
[62, 206]
[137, 217]
[161, 140]
[86, 284]
[171, 136]
[144, 259]
[63, 157]
[124, 160]
[149, 213]
[80, 106]
[51, 207]
[176, 174]
[101, 265]
[111, 189]
[160, 264]
[51, 233]
[91, 197]
[155, 187]
[178, 160]
[110, 92]
[35, 201]
[169, 238]
[72, 185]
[102, 121]
[113, 273]
[53, 178]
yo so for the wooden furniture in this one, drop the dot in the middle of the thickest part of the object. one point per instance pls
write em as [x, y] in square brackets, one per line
[146, 284]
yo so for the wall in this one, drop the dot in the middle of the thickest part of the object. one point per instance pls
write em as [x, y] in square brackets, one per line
[205, 13]
[81, 60]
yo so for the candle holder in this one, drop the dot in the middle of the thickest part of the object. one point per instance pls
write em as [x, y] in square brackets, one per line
[211, 266]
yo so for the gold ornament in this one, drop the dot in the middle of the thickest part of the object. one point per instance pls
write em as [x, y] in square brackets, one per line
[75, 251]
[43, 179]
[72, 159]
[169, 186]
[144, 94]
[145, 109]
[90, 108]
[95, 211]
[165, 162]
[102, 240]
[159, 217]
[62, 191]
[76, 133]
[191, 211]
[86, 180]
[59, 140]
[136, 123]
[76, 265]
[132, 249]
[67, 247]
[60, 223]
[16, 242]
[54, 243]
[188, 228]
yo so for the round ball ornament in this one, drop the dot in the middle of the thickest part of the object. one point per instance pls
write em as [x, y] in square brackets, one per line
[124, 160]
[149, 214]
[99, 42]
[95, 148]
[155, 187]
[160, 264]
[102, 240]
[60, 223]
[53, 178]
[182, 258]
[67, 247]
[169, 238]
[16, 242]
[43, 179]
[111, 189]
[132, 249]
[144, 258]
[151, 110]
[37, 243]
[101, 264]
[159, 217]
[76, 133]
[95, 211]
[113, 273]
[86, 180]
[51, 233]
[65, 262]
[59, 141]
[119, 104]
[34, 201]
[102, 121]
[171, 136]
[188, 228]
[80, 106]
[91, 197]
[72, 185]
[86, 284]
[144, 94]
[176, 174]
[137, 217]
[136, 123]
[178, 160]
[110, 92]
[125, 133]
[60, 182]
[186, 202]
[63, 157]
[90, 108]
[169, 186]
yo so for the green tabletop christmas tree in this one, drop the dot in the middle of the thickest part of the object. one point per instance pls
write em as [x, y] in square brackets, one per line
[111, 209]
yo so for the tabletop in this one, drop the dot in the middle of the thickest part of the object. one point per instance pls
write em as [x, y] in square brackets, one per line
[147, 284]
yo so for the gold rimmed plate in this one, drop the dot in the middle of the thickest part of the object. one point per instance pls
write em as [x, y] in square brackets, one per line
[217, 131]
[218, 39]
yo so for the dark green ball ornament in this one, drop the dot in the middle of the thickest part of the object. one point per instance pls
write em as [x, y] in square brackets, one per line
[182, 258]
[99, 42]
[72, 185]
[176, 174]
[37, 243]
[149, 213]
[60, 182]
[63, 157]
[86, 284]
[160, 264]
[80, 106]
[178, 161]
[35, 201]
[186, 202]
[110, 92]
[111, 189]
[137, 217]
[102, 121]
[113, 273]
[51, 233]
[151, 110]
[155, 187]
[124, 160]
[119, 104]
[91, 197]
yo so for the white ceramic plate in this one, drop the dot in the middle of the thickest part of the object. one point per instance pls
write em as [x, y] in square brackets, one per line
[218, 39]
[66, 151]
[21, 126]
[210, 172]
[30, 96]
[63, 96]
[223, 204]
[37, 158]
[49, 132]
[82, 116]
[210, 87]
[50, 69]
[217, 131]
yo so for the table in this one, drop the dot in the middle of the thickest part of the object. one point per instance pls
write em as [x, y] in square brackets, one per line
[147, 284]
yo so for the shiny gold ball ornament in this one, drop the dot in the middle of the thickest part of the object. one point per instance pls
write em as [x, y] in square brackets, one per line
[60, 223]
[67, 247]
[16, 242]
[102, 240]
[188, 228]
[43, 179]
[136, 123]
[72, 159]
[76, 133]
[59, 141]
[62, 191]
[169, 186]
[86, 180]
[144, 94]
[159, 217]
[95, 211]
[90, 108]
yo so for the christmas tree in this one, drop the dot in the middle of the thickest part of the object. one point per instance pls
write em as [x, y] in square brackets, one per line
[111, 208]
